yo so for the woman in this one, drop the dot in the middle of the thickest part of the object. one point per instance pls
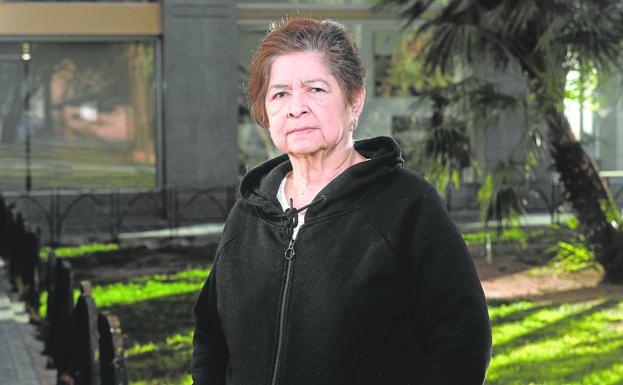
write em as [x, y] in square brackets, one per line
[336, 265]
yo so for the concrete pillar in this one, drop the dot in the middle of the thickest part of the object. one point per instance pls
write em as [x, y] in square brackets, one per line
[199, 93]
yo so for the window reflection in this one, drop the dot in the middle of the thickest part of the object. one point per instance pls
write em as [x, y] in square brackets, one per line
[86, 110]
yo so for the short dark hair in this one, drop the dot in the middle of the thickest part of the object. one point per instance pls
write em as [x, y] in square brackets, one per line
[327, 37]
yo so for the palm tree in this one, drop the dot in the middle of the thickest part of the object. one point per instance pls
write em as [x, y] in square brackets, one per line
[544, 40]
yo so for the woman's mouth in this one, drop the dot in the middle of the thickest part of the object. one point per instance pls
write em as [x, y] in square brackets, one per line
[301, 130]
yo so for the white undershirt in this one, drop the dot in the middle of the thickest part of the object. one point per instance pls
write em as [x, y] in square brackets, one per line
[281, 197]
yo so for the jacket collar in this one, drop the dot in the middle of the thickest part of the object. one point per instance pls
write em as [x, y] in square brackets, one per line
[259, 186]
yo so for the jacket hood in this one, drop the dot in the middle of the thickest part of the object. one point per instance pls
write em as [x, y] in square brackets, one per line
[259, 186]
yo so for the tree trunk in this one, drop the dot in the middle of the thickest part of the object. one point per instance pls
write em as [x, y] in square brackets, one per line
[586, 192]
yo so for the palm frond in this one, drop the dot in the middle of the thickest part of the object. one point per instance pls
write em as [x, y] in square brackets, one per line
[463, 38]
[550, 36]
[451, 45]
[412, 10]
[596, 35]
[487, 97]
[500, 196]
[447, 145]
[511, 18]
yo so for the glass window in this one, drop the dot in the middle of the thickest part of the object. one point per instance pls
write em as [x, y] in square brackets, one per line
[77, 115]
[602, 135]
[596, 120]
[384, 47]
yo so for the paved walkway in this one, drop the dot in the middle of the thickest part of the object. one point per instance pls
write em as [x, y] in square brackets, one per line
[21, 362]
[212, 231]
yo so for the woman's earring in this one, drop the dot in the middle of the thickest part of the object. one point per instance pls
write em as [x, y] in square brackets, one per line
[354, 124]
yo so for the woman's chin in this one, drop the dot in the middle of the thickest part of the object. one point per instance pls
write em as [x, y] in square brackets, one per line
[303, 146]
[303, 150]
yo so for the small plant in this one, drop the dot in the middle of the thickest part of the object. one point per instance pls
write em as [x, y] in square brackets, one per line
[78, 251]
[572, 257]
[514, 234]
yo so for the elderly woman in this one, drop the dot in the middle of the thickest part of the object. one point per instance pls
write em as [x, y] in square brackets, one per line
[336, 265]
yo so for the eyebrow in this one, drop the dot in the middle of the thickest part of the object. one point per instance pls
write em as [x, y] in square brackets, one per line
[317, 80]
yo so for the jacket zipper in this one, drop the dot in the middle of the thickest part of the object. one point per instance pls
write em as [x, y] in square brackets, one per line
[289, 255]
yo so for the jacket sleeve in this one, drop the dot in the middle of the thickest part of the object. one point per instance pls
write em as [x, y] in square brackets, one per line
[210, 354]
[448, 302]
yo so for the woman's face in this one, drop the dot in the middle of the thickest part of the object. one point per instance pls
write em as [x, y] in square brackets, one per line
[307, 110]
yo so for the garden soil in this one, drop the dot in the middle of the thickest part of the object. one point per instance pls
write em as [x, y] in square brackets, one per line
[511, 278]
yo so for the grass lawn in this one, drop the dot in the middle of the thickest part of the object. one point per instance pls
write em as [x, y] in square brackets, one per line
[546, 341]
[555, 344]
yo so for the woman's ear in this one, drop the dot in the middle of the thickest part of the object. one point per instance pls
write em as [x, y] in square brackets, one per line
[358, 103]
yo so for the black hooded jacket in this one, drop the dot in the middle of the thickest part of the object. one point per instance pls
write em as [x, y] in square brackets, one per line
[377, 288]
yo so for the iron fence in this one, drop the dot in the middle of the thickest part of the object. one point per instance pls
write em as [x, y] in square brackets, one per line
[105, 214]
[101, 214]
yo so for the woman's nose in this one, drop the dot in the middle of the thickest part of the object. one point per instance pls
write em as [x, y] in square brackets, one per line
[298, 106]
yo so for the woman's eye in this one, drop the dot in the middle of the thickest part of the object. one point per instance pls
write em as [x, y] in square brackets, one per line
[279, 95]
[317, 90]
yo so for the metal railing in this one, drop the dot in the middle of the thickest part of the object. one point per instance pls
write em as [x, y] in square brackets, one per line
[108, 213]
[105, 214]
[541, 197]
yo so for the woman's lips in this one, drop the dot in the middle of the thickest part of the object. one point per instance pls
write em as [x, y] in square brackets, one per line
[302, 130]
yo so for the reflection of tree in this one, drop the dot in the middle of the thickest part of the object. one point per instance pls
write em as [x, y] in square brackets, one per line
[113, 79]
[140, 60]
[91, 71]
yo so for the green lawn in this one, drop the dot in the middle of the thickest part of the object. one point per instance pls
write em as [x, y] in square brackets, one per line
[533, 343]
[568, 344]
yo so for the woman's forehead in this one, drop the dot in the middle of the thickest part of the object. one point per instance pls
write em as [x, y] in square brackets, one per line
[306, 66]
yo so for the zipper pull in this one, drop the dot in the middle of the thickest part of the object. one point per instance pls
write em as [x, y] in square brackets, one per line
[290, 250]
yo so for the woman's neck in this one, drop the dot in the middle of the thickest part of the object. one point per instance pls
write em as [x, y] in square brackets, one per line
[310, 174]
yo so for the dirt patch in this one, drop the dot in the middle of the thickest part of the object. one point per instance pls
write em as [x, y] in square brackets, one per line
[510, 279]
